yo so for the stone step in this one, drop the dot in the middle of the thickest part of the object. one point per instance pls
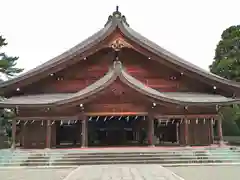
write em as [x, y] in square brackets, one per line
[127, 161]
[122, 154]
[152, 161]
[70, 156]
[82, 157]
[146, 157]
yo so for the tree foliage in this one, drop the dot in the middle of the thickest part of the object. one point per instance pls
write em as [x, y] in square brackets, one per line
[227, 55]
[8, 68]
[5, 118]
[227, 64]
[231, 117]
[7, 63]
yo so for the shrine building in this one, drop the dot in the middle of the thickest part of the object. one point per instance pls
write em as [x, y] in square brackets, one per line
[117, 88]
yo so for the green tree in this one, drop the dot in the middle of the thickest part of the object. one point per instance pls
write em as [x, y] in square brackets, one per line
[8, 63]
[9, 69]
[227, 64]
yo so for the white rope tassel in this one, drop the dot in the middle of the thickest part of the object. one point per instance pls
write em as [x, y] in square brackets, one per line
[97, 119]
[159, 121]
[127, 118]
[18, 122]
[69, 122]
[144, 118]
[189, 121]
[111, 117]
[166, 122]
[90, 118]
[25, 123]
[61, 123]
[136, 117]
[42, 123]
[204, 121]
[213, 121]
[52, 122]
[32, 121]
[120, 118]
[197, 121]
[181, 121]
[173, 121]
[105, 118]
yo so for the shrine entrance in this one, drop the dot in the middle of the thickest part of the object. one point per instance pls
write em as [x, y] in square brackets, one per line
[167, 132]
[68, 133]
[116, 131]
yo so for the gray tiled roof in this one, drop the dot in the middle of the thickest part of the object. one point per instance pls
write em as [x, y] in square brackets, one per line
[108, 79]
[114, 22]
[37, 99]
[176, 97]
[135, 36]
[60, 98]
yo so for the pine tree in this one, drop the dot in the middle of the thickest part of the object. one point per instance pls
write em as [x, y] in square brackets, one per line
[7, 63]
[9, 69]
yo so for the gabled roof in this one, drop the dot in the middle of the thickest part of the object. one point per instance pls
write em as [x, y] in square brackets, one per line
[117, 20]
[117, 71]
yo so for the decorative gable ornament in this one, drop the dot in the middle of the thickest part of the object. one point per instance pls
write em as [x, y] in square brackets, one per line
[118, 44]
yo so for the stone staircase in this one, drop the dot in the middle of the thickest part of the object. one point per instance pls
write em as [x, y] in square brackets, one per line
[164, 156]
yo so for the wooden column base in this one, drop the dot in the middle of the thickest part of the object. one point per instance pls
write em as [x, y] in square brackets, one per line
[84, 132]
[14, 128]
[48, 134]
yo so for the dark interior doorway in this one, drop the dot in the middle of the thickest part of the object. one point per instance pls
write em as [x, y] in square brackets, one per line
[166, 131]
[68, 134]
[114, 130]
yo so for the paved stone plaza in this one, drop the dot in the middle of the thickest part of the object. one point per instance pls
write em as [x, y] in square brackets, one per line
[208, 172]
[124, 172]
[34, 174]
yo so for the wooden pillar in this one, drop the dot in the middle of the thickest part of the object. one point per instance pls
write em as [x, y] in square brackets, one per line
[23, 126]
[48, 134]
[219, 128]
[84, 132]
[186, 131]
[177, 132]
[150, 131]
[14, 129]
[211, 135]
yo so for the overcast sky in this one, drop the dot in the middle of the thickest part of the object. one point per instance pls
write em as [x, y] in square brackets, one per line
[38, 30]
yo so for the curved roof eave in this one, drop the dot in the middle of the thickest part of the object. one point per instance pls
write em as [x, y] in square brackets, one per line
[118, 71]
[76, 50]
[92, 89]
[167, 97]
[111, 25]
[159, 51]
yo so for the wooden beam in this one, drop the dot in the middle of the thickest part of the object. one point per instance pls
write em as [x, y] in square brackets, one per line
[116, 113]
[39, 118]
[187, 116]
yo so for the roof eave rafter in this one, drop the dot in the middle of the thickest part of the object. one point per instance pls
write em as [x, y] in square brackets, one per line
[118, 71]
[125, 29]
[83, 50]
[116, 21]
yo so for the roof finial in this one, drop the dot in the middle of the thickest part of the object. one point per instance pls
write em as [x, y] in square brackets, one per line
[117, 16]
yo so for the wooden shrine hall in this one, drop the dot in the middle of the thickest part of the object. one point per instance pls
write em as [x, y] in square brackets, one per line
[116, 88]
